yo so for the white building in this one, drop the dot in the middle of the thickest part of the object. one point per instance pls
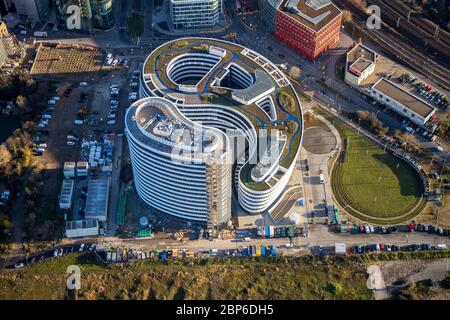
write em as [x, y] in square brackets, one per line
[66, 195]
[82, 169]
[69, 170]
[194, 14]
[188, 179]
[402, 101]
[82, 228]
[258, 183]
[97, 199]
[360, 64]
[32, 10]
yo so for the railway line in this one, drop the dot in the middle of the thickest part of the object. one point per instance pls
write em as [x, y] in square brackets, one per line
[416, 26]
[398, 47]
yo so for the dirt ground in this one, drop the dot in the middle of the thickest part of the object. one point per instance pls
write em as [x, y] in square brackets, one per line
[413, 271]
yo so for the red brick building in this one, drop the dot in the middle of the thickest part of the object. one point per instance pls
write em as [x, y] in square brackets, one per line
[310, 27]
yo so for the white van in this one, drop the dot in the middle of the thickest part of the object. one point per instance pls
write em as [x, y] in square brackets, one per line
[322, 179]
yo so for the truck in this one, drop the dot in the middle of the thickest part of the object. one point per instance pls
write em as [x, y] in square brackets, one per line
[41, 34]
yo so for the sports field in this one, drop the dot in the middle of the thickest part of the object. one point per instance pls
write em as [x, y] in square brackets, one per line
[372, 185]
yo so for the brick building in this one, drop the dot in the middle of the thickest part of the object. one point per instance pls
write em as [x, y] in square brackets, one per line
[310, 27]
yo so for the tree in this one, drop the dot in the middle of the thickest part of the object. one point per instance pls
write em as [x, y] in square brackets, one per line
[22, 105]
[347, 16]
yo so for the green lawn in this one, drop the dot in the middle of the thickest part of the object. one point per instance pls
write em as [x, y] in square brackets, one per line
[375, 183]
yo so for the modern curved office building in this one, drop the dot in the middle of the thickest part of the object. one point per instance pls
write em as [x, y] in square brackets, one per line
[235, 91]
[179, 167]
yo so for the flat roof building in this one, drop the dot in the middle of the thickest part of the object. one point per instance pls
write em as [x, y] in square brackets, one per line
[66, 195]
[194, 14]
[402, 101]
[309, 27]
[97, 199]
[360, 64]
[82, 228]
[69, 170]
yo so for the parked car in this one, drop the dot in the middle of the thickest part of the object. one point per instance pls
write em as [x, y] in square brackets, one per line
[19, 265]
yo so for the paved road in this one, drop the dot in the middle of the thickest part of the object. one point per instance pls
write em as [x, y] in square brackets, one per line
[319, 195]
[149, 8]
[115, 186]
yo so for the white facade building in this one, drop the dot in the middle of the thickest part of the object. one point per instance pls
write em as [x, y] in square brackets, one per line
[82, 228]
[255, 86]
[179, 167]
[194, 14]
[402, 101]
[359, 65]
[66, 194]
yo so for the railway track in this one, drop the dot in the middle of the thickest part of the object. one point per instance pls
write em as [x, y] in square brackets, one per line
[397, 46]
[417, 27]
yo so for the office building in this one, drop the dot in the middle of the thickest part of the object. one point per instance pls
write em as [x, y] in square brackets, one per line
[194, 14]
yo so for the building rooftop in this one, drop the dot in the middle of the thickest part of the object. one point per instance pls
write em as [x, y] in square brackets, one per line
[81, 224]
[360, 52]
[361, 64]
[239, 94]
[314, 14]
[402, 96]
[159, 124]
[65, 197]
[263, 83]
[97, 199]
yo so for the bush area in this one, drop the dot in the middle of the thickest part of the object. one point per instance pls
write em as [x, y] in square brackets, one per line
[17, 172]
[369, 121]
[243, 279]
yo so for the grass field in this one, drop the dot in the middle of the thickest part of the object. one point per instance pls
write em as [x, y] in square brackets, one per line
[242, 279]
[373, 185]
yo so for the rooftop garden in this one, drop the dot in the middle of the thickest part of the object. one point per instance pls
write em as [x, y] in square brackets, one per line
[288, 108]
